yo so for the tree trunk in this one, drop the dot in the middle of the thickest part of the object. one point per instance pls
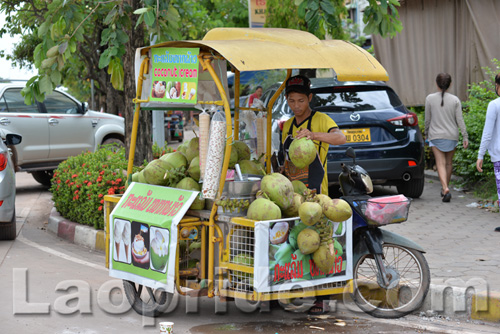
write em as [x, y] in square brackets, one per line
[143, 149]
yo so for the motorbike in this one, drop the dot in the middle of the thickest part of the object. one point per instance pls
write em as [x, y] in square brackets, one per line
[391, 276]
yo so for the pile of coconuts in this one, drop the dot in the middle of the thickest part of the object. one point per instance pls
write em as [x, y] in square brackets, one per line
[279, 197]
[181, 169]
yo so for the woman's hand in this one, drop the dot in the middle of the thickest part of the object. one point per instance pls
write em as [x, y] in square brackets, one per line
[466, 143]
[479, 165]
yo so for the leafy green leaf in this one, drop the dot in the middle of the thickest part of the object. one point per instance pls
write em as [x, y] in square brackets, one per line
[310, 14]
[56, 77]
[301, 10]
[46, 86]
[141, 11]
[313, 5]
[43, 29]
[149, 18]
[327, 7]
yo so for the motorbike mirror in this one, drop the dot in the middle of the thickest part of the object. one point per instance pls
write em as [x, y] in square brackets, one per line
[351, 154]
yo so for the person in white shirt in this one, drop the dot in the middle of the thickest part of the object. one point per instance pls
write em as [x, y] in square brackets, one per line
[491, 137]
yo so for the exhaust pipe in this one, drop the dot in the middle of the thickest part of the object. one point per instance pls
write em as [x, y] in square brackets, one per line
[406, 176]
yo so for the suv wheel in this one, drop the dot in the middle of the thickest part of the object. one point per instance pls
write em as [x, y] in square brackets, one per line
[412, 188]
[8, 230]
[43, 177]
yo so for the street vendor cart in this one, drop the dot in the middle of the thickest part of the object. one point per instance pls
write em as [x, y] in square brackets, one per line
[212, 251]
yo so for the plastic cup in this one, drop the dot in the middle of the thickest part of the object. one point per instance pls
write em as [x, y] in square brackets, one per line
[166, 327]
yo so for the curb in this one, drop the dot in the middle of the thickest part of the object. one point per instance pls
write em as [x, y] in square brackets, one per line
[76, 233]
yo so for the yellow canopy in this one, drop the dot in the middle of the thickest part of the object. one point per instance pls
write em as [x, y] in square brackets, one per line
[259, 49]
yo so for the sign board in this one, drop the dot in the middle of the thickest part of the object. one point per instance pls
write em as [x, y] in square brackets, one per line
[280, 265]
[143, 234]
[257, 13]
[174, 75]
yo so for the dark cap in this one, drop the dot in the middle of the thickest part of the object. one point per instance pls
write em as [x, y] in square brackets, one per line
[298, 84]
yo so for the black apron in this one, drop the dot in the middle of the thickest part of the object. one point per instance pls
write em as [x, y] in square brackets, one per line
[312, 175]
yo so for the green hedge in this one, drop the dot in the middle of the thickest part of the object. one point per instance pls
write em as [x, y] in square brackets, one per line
[480, 94]
[80, 183]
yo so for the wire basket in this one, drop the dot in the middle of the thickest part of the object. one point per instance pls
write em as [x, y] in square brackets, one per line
[379, 211]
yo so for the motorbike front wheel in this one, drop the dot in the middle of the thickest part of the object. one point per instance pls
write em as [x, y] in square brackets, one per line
[409, 280]
[146, 301]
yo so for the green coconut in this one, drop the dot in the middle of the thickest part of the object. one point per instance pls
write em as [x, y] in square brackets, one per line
[154, 173]
[299, 187]
[302, 152]
[189, 183]
[193, 149]
[183, 147]
[263, 209]
[279, 189]
[135, 177]
[310, 213]
[140, 177]
[242, 149]
[176, 159]
[337, 210]
[158, 261]
[250, 167]
[324, 259]
[194, 169]
[233, 158]
[293, 210]
[308, 241]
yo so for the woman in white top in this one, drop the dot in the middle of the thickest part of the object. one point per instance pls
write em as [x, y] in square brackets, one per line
[443, 119]
[491, 137]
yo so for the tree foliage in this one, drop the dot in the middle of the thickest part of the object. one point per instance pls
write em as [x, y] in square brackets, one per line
[324, 18]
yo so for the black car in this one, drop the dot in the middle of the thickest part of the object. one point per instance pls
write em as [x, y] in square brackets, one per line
[384, 134]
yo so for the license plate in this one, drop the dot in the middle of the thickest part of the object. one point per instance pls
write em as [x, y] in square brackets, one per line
[357, 135]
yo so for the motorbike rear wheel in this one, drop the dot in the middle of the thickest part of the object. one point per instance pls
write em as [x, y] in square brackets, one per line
[147, 301]
[409, 277]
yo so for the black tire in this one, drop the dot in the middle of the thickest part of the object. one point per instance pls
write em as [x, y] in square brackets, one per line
[147, 301]
[43, 177]
[8, 230]
[413, 188]
[115, 142]
[410, 285]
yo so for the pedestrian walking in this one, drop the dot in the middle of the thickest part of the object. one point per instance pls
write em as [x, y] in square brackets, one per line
[490, 139]
[443, 120]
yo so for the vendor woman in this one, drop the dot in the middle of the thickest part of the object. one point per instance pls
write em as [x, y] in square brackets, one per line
[324, 132]
[311, 124]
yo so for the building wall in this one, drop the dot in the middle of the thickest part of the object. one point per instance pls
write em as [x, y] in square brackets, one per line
[454, 36]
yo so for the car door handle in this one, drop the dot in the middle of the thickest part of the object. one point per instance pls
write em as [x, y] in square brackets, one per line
[53, 121]
[4, 121]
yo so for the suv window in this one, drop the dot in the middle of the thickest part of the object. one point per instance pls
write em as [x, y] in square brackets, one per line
[358, 99]
[12, 101]
[58, 103]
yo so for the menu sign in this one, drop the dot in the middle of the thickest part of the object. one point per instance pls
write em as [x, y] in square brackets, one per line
[175, 75]
[143, 234]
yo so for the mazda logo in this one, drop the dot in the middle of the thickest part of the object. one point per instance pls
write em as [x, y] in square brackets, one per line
[355, 117]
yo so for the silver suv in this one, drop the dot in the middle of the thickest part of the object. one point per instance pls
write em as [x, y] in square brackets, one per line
[53, 130]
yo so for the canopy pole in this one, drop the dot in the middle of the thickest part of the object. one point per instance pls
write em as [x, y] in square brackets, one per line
[135, 124]
[206, 63]
[236, 104]
[270, 121]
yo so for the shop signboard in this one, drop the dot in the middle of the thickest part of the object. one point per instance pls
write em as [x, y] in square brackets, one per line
[143, 234]
[280, 264]
[174, 75]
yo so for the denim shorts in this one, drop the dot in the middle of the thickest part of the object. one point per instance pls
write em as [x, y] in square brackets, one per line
[444, 145]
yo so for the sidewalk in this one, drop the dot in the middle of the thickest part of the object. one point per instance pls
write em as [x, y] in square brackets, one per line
[462, 250]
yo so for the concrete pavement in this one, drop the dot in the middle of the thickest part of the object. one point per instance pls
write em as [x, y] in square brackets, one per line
[461, 246]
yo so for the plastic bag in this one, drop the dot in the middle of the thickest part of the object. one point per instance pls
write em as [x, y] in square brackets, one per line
[215, 156]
